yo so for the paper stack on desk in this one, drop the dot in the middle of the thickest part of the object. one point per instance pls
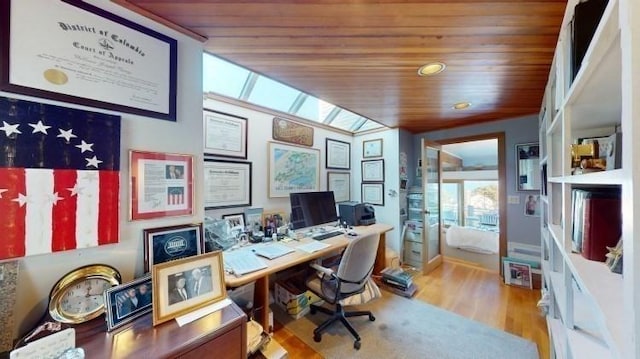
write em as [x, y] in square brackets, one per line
[271, 251]
[242, 261]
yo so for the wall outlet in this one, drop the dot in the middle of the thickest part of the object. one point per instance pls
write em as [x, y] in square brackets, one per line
[513, 199]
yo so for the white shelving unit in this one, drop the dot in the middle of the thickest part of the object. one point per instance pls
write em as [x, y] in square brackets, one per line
[593, 312]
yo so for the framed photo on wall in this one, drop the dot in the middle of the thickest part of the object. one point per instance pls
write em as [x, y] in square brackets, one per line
[161, 185]
[340, 184]
[175, 290]
[372, 148]
[166, 244]
[338, 154]
[70, 65]
[293, 169]
[227, 184]
[224, 134]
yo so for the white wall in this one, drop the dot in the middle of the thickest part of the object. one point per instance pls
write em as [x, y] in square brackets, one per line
[39, 273]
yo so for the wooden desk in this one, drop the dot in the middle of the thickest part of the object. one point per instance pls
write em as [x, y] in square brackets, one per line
[261, 277]
[222, 334]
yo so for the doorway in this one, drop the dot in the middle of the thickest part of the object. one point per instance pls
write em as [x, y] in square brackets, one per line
[474, 200]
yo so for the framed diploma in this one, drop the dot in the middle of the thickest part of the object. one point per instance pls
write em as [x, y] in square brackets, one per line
[373, 193]
[340, 184]
[225, 135]
[226, 184]
[161, 185]
[72, 51]
[338, 154]
[373, 171]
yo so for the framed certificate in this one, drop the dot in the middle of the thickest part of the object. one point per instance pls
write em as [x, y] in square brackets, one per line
[373, 171]
[338, 154]
[72, 51]
[340, 184]
[373, 193]
[225, 135]
[226, 184]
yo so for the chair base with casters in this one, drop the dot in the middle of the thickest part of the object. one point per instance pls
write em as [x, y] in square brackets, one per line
[341, 315]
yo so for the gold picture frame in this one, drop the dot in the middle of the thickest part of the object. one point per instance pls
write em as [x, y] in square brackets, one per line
[175, 290]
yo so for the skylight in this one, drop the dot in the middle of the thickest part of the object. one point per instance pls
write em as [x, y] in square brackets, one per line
[227, 79]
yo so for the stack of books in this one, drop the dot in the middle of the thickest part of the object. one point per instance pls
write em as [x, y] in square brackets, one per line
[398, 281]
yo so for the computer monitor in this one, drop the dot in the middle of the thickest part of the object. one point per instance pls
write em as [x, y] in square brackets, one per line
[309, 209]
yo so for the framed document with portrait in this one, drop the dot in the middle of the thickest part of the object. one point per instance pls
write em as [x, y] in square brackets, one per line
[161, 184]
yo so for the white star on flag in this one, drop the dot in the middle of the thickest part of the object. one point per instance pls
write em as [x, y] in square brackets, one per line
[94, 161]
[53, 198]
[67, 135]
[22, 199]
[39, 127]
[75, 190]
[85, 147]
[2, 190]
[9, 129]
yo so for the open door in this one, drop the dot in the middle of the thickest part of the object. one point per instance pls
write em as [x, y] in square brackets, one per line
[431, 176]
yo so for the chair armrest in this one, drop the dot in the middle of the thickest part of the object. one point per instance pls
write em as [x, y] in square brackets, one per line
[321, 269]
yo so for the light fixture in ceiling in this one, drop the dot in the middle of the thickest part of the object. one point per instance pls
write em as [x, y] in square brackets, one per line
[461, 105]
[431, 68]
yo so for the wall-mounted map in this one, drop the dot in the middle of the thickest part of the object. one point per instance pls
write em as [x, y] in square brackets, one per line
[293, 169]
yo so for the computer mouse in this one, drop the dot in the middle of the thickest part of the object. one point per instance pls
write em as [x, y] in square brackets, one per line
[352, 234]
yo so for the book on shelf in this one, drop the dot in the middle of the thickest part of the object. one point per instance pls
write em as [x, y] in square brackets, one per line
[397, 275]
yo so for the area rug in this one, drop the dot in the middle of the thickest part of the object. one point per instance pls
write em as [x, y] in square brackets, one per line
[409, 328]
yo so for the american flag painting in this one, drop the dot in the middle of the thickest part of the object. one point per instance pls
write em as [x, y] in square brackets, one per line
[59, 178]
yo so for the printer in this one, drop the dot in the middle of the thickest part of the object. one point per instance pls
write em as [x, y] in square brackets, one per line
[356, 213]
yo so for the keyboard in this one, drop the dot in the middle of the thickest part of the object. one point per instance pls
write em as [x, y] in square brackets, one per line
[322, 236]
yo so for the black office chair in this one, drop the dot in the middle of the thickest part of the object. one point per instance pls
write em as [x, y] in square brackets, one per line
[351, 277]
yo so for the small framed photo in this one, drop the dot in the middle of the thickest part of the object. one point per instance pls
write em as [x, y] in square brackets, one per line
[372, 148]
[338, 154]
[166, 244]
[161, 185]
[373, 171]
[373, 193]
[236, 222]
[532, 205]
[273, 219]
[128, 301]
[517, 274]
[340, 184]
[253, 219]
[187, 284]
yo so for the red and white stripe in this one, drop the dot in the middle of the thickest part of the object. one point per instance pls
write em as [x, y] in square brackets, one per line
[48, 210]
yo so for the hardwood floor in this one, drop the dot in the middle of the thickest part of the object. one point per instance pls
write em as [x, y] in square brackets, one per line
[470, 291]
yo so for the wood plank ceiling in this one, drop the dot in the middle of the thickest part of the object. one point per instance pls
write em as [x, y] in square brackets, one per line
[364, 55]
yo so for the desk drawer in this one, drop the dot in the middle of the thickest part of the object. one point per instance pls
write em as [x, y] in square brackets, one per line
[412, 251]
